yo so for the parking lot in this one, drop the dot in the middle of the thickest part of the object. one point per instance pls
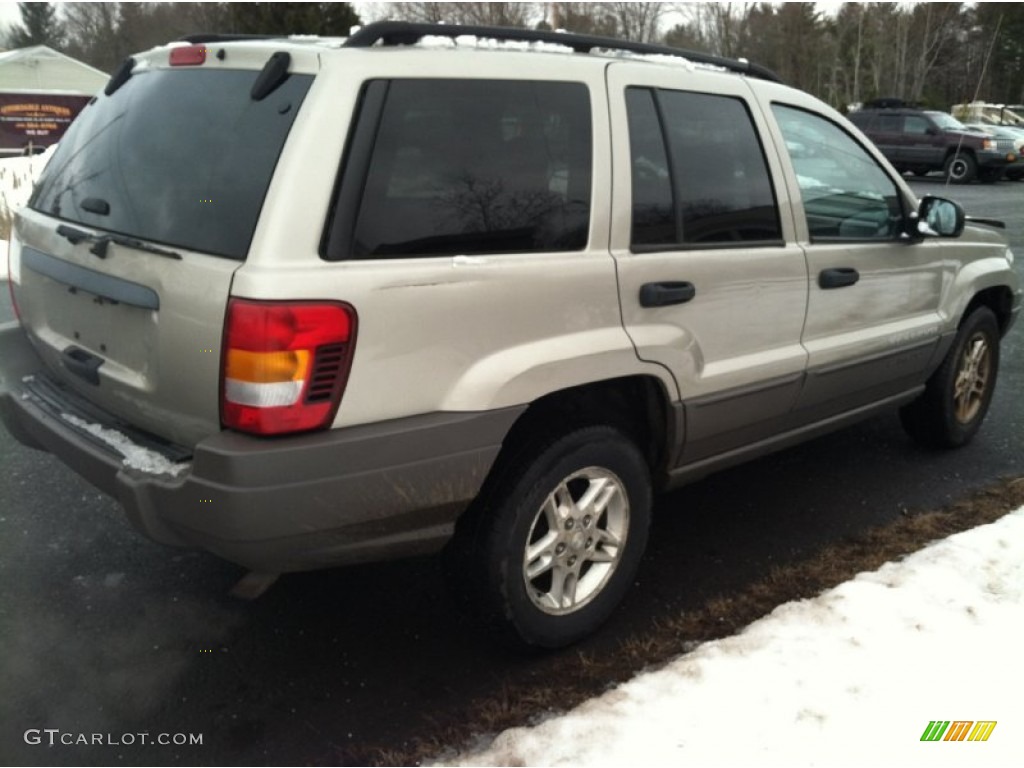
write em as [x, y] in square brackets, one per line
[107, 633]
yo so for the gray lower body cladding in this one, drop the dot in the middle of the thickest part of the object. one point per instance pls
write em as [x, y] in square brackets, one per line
[350, 495]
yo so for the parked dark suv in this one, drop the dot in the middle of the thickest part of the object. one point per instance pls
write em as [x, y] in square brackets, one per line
[922, 141]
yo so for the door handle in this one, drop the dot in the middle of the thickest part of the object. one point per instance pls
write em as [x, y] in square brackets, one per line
[840, 277]
[665, 294]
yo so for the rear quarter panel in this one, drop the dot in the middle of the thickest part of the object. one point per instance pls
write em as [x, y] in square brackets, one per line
[452, 333]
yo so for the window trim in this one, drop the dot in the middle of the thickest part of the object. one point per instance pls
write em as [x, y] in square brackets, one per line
[353, 171]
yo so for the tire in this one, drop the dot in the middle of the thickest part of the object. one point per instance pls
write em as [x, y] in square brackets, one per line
[538, 568]
[1015, 175]
[950, 411]
[961, 169]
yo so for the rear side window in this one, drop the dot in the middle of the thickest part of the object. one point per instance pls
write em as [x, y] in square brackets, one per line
[889, 124]
[703, 152]
[179, 157]
[916, 125]
[469, 167]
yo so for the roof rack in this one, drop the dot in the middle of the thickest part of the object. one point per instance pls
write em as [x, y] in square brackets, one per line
[889, 102]
[214, 37]
[406, 33]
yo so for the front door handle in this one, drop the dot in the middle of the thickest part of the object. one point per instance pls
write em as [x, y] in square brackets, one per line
[840, 277]
[665, 294]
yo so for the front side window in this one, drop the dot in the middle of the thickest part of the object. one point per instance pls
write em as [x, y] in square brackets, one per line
[946, 121]
[846, 194]
[476, 166]
[699, 153]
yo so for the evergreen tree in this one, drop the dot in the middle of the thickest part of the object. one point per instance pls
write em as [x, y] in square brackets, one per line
[326, 19]
[39, 26]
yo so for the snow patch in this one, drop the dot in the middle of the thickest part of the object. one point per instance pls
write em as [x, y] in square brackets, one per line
[135, 456]
[490, 44]
[850, 678]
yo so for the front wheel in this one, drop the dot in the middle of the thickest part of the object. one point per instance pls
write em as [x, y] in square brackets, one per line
[950, 411]
[553, 544]
[961, 169]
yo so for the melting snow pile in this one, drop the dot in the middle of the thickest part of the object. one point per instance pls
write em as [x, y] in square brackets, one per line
[853, 677]
[17, 176]
[135, 456]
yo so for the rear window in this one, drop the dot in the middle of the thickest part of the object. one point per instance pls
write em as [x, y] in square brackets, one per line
[180, 157]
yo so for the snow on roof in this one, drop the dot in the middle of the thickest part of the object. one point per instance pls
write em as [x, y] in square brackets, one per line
[40, 68]
[43, 52]
[490, 44]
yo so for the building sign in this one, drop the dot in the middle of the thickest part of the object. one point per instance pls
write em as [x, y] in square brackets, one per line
[36, 119]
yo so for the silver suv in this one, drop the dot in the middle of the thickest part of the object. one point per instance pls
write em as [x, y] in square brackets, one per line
[308, 302]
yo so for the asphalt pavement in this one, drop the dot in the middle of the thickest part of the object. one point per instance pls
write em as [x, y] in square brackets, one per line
[105, 633]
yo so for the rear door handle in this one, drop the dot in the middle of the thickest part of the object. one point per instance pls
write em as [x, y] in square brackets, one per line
[665, 294]
[840, 277]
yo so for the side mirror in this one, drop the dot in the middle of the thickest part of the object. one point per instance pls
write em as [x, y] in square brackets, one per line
[931, 130]
[938, 217]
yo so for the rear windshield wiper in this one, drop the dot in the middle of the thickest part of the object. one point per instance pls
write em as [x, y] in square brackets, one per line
[102, 242]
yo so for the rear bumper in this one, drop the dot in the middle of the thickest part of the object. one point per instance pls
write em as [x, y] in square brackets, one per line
[363, 493]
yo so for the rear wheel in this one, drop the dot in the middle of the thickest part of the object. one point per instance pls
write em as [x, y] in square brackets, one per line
[961, 169]
[552, 545]
[957, 397]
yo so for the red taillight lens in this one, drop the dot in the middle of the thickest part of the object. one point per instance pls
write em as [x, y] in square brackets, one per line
[188, 55]
[285, 364]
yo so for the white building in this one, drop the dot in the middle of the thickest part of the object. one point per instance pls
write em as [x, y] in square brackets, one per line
[41, 92]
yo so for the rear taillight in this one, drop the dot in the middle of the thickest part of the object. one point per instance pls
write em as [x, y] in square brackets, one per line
[285, 364]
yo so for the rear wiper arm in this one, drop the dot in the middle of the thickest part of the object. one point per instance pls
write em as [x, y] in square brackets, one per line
[102, 242]
[100, 248]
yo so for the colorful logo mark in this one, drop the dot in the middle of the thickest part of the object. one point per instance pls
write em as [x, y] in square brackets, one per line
[958, 730]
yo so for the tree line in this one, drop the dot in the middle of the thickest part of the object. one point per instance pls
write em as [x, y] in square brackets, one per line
[936, 54]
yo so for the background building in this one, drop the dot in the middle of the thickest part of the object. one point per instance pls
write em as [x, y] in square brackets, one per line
[41, 92]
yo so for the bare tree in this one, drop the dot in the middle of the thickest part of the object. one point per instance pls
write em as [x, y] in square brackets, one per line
[638, 21]
[485, 14]
[91, 30]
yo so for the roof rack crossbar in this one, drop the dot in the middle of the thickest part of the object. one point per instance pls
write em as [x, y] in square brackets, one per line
[406, 33]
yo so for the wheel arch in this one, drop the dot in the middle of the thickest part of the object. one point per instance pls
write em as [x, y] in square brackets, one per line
[639, 406]
[999, 299]
[953, 151]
